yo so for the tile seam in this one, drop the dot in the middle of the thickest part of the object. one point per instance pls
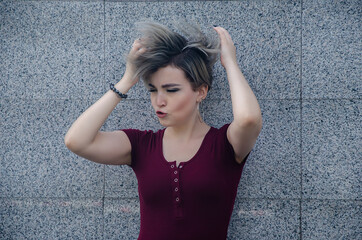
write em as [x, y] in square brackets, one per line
[301, 122]
[104, 77]
[136, 198]
[143, 99]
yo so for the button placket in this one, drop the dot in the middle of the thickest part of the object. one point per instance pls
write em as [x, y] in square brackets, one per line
[176, 184]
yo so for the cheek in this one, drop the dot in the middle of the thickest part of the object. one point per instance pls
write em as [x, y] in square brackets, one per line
[185, 104]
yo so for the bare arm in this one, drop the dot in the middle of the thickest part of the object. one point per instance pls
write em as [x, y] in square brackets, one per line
[84, 137]
[247, 123]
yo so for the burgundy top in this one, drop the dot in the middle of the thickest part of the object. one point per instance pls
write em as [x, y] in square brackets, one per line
[192, 201]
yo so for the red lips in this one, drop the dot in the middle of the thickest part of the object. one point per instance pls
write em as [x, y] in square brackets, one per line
[161, 114]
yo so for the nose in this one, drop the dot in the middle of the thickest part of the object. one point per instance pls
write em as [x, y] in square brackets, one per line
[160, 99]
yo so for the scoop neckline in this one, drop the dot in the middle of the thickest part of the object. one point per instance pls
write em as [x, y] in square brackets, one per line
[192, 158]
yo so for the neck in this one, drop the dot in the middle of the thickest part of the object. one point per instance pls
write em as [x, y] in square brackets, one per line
[187, 131]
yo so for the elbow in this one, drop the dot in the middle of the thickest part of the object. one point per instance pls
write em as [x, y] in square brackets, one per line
[70, 144]
[251, 122]
[67, 140]
[258, 123]
[75, 145]
[249, 119]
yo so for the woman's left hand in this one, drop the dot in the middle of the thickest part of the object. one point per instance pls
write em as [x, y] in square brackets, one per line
[228, 49]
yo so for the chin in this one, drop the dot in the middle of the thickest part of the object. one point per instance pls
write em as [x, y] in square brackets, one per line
[164, 123]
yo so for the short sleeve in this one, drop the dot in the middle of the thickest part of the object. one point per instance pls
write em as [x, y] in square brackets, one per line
[141, 144]
[133, 136]
[224, 141]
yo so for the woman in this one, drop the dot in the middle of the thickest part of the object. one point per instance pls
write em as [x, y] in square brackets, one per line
[188, 172]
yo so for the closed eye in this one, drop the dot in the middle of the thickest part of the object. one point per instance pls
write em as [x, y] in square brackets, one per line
[173, 90]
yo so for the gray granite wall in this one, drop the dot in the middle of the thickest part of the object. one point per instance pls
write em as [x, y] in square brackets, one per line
[301, 58]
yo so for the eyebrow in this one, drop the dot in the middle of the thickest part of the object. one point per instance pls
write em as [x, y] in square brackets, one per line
[166, 85]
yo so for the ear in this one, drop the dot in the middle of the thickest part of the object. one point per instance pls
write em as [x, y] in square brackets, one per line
[202, 92]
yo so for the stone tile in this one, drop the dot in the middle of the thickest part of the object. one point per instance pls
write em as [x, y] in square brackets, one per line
[268, 42]
[158, 0]
[121, 218]
[121, 181]
[51, 219]
[50, 173]
[3, 73]
[273, 167]
[333, 219]
[332, 149]
[216, 112]
[264, 219]
[52, 49]
[332, 62]
[36, 160]
[12, 124]
[32, 125]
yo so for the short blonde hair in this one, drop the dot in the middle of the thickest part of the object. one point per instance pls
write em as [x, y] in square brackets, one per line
[194, 53]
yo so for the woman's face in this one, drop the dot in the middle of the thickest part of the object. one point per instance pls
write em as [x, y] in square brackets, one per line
[172, 97]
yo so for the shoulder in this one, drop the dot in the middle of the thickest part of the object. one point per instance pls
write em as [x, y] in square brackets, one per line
[221, 131]
[137, 131]
[220, 135]
[137, 135]
[221, 147]
[224, 128]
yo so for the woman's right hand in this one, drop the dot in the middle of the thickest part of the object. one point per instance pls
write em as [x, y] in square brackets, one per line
[135, 51]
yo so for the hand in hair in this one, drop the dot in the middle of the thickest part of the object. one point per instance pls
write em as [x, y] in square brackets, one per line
[135, 51]
[228, 49]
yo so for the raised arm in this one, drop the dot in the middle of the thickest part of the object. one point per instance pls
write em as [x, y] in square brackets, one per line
[84, 137]
[247, 123]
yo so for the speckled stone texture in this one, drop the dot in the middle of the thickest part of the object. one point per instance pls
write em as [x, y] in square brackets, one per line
[332, 60]
[301, 58]
[332, 132]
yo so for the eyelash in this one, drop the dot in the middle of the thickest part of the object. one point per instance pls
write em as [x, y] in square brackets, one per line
[173, 90]
[168, 90]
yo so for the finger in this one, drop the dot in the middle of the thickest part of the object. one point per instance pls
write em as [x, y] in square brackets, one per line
[225, 34]
[217, 29]
[137, 45]
[220, 33]
[141, 51]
